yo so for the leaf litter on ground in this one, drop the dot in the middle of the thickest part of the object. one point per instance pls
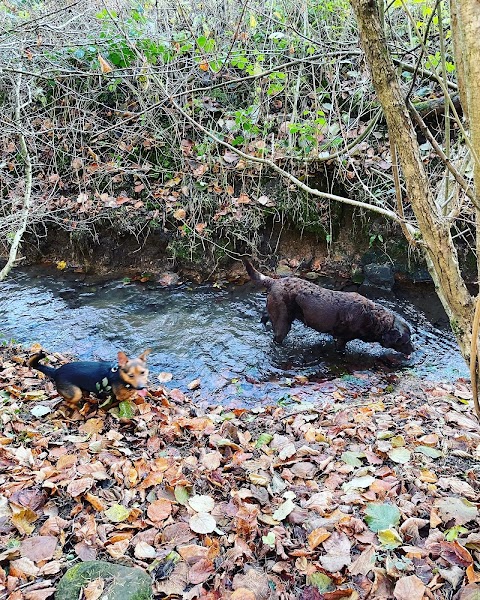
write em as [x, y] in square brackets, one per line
[373, 496]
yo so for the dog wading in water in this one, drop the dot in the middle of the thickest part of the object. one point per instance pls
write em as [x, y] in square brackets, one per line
[344, 315]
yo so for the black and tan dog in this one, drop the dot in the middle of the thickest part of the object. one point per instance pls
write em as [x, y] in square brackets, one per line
[344, 315]
[121, 381]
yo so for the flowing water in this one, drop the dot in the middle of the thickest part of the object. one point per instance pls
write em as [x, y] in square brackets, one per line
[214, 334]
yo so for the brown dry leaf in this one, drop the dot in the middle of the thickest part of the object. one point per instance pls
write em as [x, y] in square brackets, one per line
[200, 571]
[266, 201]
[105, 66]
[144, 551]
[456, 554]
[23, 519]
[255, 581]
[244, 199]
[118, 549]
[78, 486]
[191, 553]
[92, 426]
[41, 594]
[230, 157]
[364, 563]
[470, 592]
[95, 501]
[176, 582]
[159, 510]
[211, 460]
[338, 549]
[317, 536]
[39, 547]
[459, 509]
[23, 567]
[180, 214]
[243, 594]
[472, 575]
[94, 589]
[409, 588]
[85, 551]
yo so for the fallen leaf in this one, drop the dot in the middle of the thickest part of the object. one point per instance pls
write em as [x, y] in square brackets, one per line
[337, 547]
[202, 503]
[409, 588]
[117, 513]
[39, 548]
[202, 523]
[381, 516]
[159, 510]
[459, 509]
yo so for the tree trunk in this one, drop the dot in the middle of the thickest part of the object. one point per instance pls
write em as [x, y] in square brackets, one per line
[25, 213]
[440, 252]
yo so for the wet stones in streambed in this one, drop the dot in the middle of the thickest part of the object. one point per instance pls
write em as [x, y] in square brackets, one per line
[120, 583]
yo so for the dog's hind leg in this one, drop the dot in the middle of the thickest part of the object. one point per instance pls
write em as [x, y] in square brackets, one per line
[280, 318]
[70, 393]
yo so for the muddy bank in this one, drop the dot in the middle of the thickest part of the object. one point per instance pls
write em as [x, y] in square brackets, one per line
[151, 252]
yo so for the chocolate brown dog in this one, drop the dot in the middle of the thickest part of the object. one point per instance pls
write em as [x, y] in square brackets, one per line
[344, 315]
[121, 381]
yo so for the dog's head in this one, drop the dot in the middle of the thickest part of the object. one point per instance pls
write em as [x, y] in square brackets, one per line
[398, 337]
[133, 372]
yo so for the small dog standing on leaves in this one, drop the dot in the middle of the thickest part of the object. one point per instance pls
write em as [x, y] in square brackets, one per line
[121, 381]
[344, 315]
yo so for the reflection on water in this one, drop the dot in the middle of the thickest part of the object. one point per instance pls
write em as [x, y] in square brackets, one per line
[209, 333]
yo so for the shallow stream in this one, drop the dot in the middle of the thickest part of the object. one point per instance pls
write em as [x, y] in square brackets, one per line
[214, 334]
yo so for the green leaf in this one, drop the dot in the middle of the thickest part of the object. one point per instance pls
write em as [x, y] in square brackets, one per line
[352, 458]
[390, 539]
[263, 440]
[201, 41]
[125, 410]
[381, 516]
[181, 494]
[400, 455]
[283, 510]
[117, 513]
[321, 581]
[428, 451]
[269, 539]
[453, 533]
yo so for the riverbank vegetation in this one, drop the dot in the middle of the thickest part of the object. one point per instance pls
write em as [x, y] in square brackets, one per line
[220, 125]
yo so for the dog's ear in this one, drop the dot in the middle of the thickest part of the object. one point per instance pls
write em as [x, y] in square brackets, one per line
[122, 359]
[144, 354]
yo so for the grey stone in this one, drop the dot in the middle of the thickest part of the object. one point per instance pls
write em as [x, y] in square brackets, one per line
[379, 276]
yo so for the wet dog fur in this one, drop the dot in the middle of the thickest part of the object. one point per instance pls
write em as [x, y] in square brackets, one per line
[121, 381]
[344, 315]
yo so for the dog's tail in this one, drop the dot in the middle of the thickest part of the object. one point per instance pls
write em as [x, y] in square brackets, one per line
[256, 275]
[33, 362]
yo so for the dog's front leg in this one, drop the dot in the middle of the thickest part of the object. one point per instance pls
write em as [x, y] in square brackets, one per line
[265, 319]
[340, 344]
